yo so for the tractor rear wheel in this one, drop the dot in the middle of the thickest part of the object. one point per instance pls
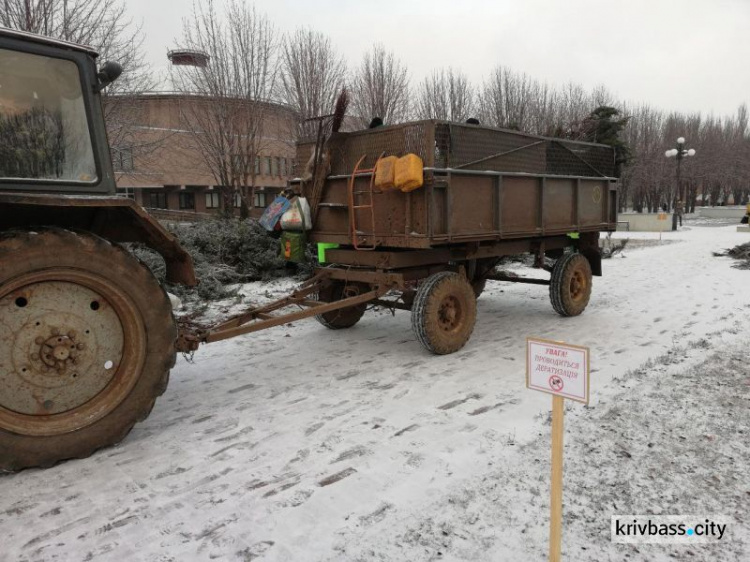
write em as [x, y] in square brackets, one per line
[570, 285]
[344, 317]
[444, 312]
[86, 344]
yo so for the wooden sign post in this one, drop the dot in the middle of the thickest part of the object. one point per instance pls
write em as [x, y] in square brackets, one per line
[663, 221]
[563, 371]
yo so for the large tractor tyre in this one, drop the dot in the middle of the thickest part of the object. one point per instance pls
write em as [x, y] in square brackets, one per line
[444, 312]
[570, 285]
[344, 317]
[87, 340]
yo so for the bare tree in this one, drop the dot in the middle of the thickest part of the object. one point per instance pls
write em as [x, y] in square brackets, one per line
[446, 95]
[312, 75]
[505, 100]
[228, 100]
[380, 88]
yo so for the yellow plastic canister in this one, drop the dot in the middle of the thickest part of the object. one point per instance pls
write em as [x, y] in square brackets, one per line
[385, 173]
[409, 173]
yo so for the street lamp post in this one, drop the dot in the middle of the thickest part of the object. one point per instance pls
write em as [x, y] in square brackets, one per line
[678, 152]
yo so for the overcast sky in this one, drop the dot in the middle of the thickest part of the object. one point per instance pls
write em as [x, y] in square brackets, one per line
[689, 55]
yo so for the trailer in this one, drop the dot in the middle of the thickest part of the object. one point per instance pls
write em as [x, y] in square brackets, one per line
[486, 194]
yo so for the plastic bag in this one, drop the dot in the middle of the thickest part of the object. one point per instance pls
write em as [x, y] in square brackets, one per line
[298, 216]
[293, 246]
[273, 212]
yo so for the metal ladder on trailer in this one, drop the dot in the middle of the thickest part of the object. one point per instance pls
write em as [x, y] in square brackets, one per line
[358, 235]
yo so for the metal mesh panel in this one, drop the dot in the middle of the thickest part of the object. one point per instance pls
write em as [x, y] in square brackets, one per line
[348, 148]
[579, 159]
[477, 148]
[469, 147]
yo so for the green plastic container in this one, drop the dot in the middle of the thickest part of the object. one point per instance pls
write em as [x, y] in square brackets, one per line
[322, 247]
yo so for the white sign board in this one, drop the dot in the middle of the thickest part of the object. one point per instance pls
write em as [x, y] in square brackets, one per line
[558, 368]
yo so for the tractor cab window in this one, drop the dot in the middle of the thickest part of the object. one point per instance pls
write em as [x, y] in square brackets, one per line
[44, 131]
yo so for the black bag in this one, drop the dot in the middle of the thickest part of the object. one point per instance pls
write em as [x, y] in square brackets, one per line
[744, 219]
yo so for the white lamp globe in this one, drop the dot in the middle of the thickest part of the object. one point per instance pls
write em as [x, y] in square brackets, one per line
[691, 152]
[668, 154]
[681, 140]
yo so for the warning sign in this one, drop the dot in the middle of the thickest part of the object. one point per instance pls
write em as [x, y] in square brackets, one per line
[558, 368]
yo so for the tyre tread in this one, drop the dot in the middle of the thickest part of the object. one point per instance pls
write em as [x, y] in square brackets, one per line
[419, 319]
[556, 286]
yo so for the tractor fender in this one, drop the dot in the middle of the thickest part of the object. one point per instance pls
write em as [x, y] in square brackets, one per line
[114, 218]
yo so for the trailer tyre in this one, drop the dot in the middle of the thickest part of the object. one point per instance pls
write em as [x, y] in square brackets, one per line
[344, 317]
[86, 345]
[444, 312]
[570, 285]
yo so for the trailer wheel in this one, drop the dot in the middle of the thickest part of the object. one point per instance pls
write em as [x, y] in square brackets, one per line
[444, 312]
[570, 285]
[86, 345]
[345, 317]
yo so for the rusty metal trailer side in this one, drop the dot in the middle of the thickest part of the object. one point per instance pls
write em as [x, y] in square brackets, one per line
[480, 184]
[458, 206]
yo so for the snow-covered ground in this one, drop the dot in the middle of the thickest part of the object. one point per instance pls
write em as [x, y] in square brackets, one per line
[304, 444]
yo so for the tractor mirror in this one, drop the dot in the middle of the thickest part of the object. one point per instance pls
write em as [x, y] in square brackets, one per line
[108, 73]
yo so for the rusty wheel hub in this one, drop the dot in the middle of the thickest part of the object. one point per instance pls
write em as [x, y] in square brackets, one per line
[68, 345]
[578, 285]
[449, 315]
[58, 351]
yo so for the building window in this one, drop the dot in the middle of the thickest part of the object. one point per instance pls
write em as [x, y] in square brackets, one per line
[237, 200]
[122, 159]
[266, 166]
[157, 200]
[275, 166]
[260, 199]
[212, 199]
[127, 192]
[257, 165]
[187, 200]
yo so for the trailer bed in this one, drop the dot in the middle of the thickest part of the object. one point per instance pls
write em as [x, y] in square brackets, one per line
[480, 184]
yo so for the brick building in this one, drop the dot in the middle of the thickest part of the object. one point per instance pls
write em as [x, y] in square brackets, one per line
[161, 167]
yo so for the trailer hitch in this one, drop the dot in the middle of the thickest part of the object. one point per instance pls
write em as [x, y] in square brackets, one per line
[191, 335]
[187, 340]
